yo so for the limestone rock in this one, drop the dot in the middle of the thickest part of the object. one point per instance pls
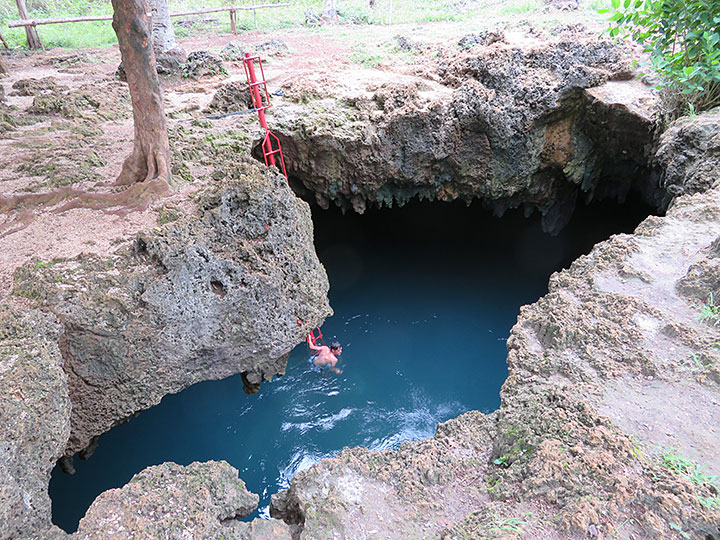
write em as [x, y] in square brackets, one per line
[486, 37]
[35, 418]
[233, 51]
[274, 47]
[397, 494]
[35, 87]
[232, 290]
[203, 64]
[503, 122]
[201, 500]
[166, 63]
[690, 154]
[231, 97]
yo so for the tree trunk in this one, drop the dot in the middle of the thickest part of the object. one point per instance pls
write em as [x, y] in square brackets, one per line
[33, 40]
[150, 157]
[163, 36]
[3, 66]
[329, 11]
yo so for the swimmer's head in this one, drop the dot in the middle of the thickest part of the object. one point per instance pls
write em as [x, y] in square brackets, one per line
[335, 347]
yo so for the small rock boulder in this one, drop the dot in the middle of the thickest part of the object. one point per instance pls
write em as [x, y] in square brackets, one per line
[690, 154]
[203, 64]
[36, 87]
[486, 37]
[407, 44]
[231, 97]
[274, 47]
[233, 51]
[201, 500]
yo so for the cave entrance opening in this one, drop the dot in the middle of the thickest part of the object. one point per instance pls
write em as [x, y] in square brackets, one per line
[424, 298]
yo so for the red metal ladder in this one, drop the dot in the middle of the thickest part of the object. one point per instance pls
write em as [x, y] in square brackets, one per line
[270, 144]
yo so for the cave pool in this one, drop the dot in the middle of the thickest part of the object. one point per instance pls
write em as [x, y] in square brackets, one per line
[424, 298]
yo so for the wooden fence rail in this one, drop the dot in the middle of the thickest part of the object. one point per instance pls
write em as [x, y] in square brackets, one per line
[232, 9]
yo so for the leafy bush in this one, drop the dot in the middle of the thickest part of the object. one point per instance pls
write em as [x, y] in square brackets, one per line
[682, 37]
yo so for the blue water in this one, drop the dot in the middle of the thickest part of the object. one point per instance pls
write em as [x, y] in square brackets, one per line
[424, 300]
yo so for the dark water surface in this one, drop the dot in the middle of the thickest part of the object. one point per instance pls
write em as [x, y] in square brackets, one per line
[424, 299]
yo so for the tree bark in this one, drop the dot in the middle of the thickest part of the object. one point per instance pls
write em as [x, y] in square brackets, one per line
[150, 158]
[3, 66]
[329, 11]
[33, 40]
[163, 36]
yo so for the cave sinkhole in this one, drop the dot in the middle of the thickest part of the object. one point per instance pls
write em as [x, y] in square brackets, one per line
[424, 298]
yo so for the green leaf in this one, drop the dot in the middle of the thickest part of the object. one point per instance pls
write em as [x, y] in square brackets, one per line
[615, 4]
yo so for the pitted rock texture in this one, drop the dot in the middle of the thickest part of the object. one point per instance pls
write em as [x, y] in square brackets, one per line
[690, 154]
[201, 500]
[229, 291]
[609, 419]
[203, 64]
[507, 122]
[35, 418]
[231, 97]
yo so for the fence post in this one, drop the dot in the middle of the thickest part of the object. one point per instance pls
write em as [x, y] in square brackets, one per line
[33, 39]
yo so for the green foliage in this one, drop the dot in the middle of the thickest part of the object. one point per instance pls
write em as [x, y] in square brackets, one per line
[695, 363]
[690, 470]
[515, 8]
[502, 460]
[675, 527]
[682, 37]
[76, 35]
[506, 525]
[487, 523]
[713, 503]
[366, 58]
[710, 312]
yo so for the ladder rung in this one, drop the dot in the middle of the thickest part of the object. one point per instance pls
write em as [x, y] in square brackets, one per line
[273, 152]
[258, 83]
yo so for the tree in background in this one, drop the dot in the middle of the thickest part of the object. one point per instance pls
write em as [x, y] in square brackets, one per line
[3, 66]
[329, 11]
[33, 40]
[146, 172]
[149, 161]
[163, 36]
[682, 37]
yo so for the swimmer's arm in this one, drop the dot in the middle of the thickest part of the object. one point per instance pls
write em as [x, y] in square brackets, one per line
[312, 346]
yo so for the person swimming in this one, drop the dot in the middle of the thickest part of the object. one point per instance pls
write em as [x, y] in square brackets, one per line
[325, 356]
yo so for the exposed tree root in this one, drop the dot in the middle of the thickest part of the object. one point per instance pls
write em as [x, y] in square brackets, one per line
[143, 163]
[16, 224]
[135, 198]
[145, 173]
